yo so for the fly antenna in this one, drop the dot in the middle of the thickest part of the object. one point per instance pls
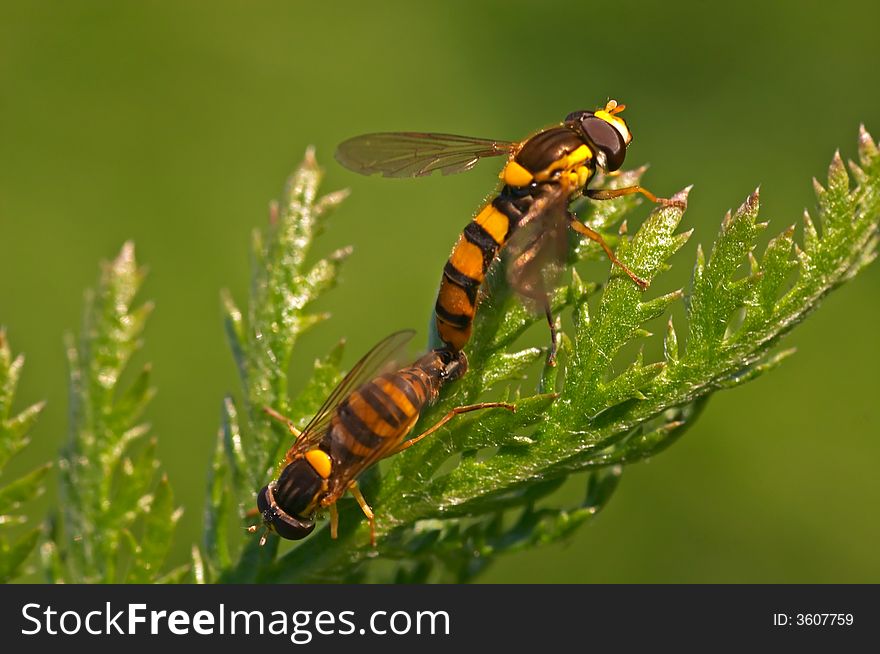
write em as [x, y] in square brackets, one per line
[263, 537]
[613, 108]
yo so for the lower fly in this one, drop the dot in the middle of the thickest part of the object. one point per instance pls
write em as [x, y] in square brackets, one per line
[366, 418]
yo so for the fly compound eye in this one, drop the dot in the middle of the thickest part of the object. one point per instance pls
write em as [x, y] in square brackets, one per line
[290, 527]
[286, 526]
[577, 116]
[607, 140]
[263, 501]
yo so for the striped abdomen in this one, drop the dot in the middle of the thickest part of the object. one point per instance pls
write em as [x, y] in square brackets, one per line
[375, 418]
[465, 271]
[550, 159]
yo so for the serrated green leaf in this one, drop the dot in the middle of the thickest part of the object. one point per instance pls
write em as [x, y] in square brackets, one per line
[508, 366]
[159, 520]
[13, 557]
[217, 504]
[716, 294]
[106, 475]
[14, 430]
[284, 285]
[23, 489]
[753, 371]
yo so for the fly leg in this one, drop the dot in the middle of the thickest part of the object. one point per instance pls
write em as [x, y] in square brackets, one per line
[449, 416]
[334, 521]
[353, 488]
[272, 413]
[554, 334]
[608, 194]
[581, 228]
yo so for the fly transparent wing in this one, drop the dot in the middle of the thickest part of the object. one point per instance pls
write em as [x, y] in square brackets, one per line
[360, 373]
[536, 253]
[415, 154]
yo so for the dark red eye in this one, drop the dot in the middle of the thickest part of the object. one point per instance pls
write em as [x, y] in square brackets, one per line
[292, 528]
[286, 526]
[263, 502]
[577, 116]
[606, 139]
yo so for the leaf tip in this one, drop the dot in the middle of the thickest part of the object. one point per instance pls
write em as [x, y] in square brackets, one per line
[681, 198]
[331, 200]
[341, 254]
[727, 220]
[867, 147]
[836, 168]
[753, 263]
[309, 159]
[753, 201]
[127, 251]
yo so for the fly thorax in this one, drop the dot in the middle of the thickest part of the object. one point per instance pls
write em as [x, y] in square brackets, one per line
[299, 488]
[553, 153]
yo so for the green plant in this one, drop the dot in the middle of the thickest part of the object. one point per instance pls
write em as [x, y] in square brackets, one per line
[483, 486]
[116, 513]
[13, 438]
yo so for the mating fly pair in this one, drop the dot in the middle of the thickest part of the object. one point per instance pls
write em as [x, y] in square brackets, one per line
[529, 217]
[369, 416]
[366, 418]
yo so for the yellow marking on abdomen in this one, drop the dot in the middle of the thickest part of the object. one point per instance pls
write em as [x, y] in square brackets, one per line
[354, 446]
[454, 299]
[368, 415]
[399, 398]
[454, 337]
[494, 222]
[467, 259]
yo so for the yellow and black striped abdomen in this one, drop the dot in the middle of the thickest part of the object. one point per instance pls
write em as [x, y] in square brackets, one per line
[374, 419]
[465, 271]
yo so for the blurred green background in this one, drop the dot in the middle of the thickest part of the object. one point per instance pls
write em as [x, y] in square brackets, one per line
[174, 124]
